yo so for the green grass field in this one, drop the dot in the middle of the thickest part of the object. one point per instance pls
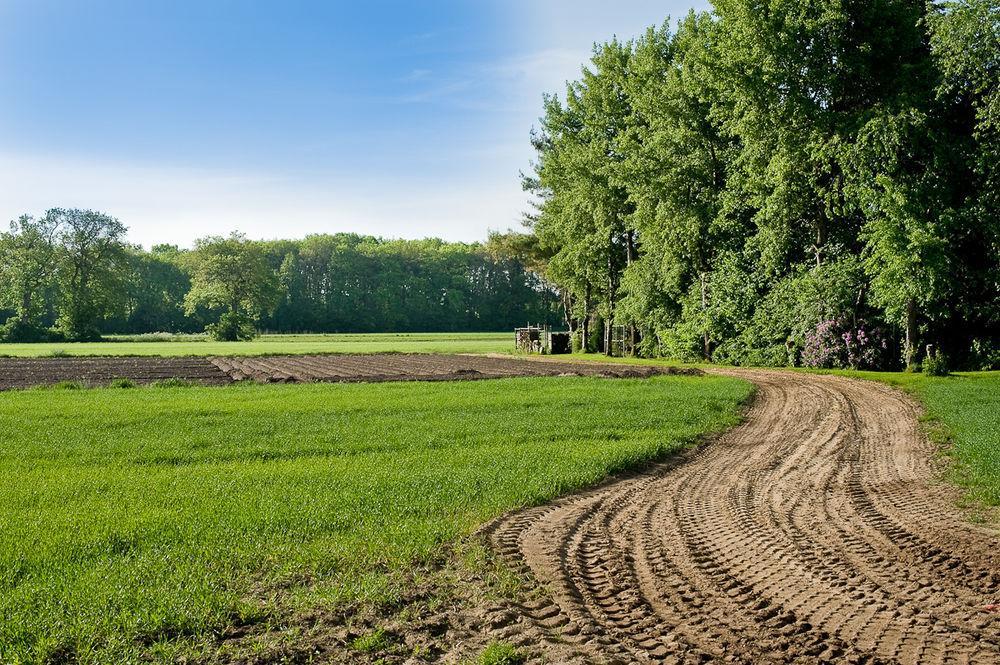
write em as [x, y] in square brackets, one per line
[137, 521]
[193, 345]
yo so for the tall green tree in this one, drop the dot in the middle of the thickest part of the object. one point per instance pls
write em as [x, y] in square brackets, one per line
[232, 275]
[583, 210]
[965, 42]
[27, 265]
[802, 76]
[676, 173]
[93, 269]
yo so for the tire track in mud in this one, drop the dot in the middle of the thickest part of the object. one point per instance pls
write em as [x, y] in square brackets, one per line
[814, 532]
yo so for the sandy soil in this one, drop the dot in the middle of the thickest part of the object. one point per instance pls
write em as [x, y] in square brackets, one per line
[814, 532]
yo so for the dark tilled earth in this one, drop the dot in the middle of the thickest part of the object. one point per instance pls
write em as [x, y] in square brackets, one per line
[30, 372]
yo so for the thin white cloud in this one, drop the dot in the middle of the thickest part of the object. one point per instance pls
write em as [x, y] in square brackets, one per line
[456, 91]
[416, 75]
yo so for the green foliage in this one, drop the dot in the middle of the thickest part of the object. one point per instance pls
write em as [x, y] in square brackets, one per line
[27, 263]
[724, 188]
[232, 327]
[174, 383]
[581, 220]
[347, 282]
[66, 385]
[986, 354]
[501, 653]
[16, 330]
[232, 274]
[154, 294]
[965, 36]
[122, 384]
[92, 272]
[372, 642]
[343, 282]
[133, 518]
[792, 308]
[936, 365]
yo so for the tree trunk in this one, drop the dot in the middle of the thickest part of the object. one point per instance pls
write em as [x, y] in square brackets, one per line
[609, 324]
[630, 256]
[24, 315]
[910, 352]
[567, 305]
[585, 338]
[706, 338]
[820, 240]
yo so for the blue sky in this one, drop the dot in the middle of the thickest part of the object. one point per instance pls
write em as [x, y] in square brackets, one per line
[186, 118]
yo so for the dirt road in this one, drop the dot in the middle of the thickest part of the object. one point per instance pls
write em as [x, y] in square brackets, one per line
[814, 532]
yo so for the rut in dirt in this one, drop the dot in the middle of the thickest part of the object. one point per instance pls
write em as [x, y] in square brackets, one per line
[814, 532]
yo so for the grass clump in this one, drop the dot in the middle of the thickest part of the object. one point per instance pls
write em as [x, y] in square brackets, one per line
[501, 653]
[122, 383]
[373, 642]
[135, 518]
[66, 385]
[936, 365]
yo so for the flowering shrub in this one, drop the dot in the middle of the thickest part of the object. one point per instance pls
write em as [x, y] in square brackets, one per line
[835, 343]
[822, 348]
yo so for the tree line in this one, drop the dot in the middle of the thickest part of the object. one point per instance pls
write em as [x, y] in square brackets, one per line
[781, 182]
[71, 275]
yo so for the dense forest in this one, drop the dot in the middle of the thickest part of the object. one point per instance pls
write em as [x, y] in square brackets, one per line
[781, 182]
[71, 275]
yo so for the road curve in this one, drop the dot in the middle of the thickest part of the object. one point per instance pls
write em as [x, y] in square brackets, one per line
[814, 532]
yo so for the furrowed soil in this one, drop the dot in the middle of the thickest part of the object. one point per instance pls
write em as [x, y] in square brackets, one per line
[814, 532]
[25, 373]
[31, 372]
[417, 367]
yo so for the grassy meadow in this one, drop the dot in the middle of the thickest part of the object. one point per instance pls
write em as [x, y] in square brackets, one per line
[138, 521]
[201, 345]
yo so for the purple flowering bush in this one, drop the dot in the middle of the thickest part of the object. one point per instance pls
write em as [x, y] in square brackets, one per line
[835, 343]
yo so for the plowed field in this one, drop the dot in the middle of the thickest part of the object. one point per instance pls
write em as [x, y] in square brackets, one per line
[24, 373]
[413, 367]
[30, 372]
